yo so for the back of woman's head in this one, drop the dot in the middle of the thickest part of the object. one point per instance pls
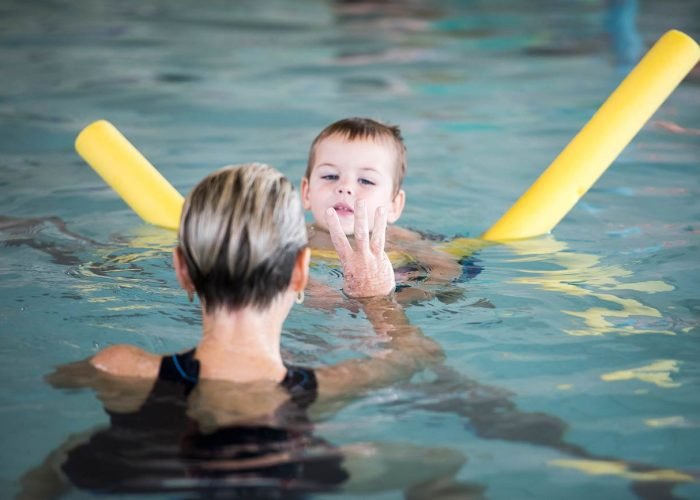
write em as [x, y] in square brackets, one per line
[241, 230]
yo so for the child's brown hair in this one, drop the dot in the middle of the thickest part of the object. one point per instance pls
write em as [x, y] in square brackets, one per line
[355, 128]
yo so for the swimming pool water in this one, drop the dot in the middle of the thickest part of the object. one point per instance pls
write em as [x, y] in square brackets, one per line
[592, 331]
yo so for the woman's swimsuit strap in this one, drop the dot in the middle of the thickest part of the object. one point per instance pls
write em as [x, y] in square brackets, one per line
[184, 367]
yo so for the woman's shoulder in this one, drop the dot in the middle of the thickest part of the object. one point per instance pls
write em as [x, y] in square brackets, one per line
[127, 361]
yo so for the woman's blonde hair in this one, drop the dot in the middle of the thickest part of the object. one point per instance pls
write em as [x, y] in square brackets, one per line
[241, 230]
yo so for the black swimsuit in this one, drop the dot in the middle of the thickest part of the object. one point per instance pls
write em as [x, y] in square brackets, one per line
[160, 449]
[184, 368]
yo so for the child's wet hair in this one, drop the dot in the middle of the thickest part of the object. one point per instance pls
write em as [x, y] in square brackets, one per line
[241, 230]
[356, 128]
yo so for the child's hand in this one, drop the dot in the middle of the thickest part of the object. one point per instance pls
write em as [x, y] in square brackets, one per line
[367, 269]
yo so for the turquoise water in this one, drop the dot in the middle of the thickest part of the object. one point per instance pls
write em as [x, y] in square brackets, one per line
[593, 330]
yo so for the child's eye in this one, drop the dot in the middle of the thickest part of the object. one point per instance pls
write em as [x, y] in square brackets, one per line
[366, 182]
[329, 177]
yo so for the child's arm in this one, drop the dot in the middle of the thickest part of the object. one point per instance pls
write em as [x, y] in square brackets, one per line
[408, 352]
[441, 267]
[429, 272]
[369, 275]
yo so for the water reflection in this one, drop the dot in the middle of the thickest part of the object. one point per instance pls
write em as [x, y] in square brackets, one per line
[657, 373]
[490, 412]
[239, 442]
[583, 275]
[620, 469]
[676, 422]
[124, 261]
[49, 235]
[225, 440]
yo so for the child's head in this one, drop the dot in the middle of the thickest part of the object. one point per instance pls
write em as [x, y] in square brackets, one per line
[351, 159]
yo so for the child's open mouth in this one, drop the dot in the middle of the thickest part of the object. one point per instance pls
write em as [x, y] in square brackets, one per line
[343, 209]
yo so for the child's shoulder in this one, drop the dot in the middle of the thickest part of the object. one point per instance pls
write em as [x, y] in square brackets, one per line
[401, 234]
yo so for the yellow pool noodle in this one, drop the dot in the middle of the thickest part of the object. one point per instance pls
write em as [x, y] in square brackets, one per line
[600, 141]
[537, 211]
[130, 174]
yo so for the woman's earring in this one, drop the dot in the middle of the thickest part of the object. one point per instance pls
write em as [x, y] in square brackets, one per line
[190, 295]
[300, 297]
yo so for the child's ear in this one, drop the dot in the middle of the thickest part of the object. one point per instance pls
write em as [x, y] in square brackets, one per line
[305, 195]
[396, 207]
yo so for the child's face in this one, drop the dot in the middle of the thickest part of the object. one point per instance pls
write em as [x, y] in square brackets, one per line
[346, 171]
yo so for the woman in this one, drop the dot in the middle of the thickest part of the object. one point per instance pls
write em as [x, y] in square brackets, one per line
[229, 414]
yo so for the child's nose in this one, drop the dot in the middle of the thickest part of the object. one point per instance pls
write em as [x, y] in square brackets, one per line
[344, 189]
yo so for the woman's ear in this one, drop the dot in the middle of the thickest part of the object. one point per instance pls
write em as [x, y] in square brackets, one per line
[396, 207]
[300, 274]
[305, 194]
[181, 271]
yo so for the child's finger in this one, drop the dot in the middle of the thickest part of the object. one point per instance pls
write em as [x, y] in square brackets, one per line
[379, 231]
[361, 226]
[340, 241]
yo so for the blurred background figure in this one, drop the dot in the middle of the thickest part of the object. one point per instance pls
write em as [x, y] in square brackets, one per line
[621, 25]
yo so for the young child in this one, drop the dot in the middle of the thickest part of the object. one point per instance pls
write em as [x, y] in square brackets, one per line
[363, 159]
